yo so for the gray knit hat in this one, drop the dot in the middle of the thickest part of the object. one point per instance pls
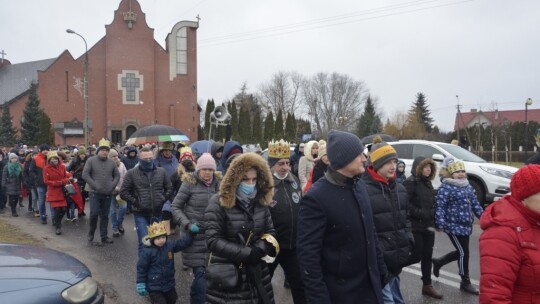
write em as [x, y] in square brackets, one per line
[381, 153]
[342, 148]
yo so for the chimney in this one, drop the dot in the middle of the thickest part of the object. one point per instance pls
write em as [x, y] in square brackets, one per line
[474, 110]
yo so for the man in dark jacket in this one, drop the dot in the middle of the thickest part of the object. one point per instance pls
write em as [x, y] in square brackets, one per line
[102, 176]
[337, 246]
[36, 171]
[389, 202]
[130, 160]
[284, 211]
[231, 148]
[295, 158]
[217, 151]
[535, 159]
[148, 187]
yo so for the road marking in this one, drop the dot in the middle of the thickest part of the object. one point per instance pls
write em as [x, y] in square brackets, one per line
[441, 278]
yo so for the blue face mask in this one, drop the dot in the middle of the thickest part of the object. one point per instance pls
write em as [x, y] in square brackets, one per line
[246, 189]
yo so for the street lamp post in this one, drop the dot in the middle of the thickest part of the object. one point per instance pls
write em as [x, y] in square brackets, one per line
[85, 86]
[527, 103]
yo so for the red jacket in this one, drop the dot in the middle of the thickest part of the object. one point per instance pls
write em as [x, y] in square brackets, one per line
[55, 178]
[509, 253]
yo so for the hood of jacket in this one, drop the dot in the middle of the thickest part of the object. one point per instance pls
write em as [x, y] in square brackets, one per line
[131, 149]
[307, 149]
[215, 148]
[238, 168]
[509, 212]
[419, 164]
[227, 148]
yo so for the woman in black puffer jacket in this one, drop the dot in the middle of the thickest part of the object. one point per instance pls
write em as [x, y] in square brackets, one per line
[422, 217]
[238, 210]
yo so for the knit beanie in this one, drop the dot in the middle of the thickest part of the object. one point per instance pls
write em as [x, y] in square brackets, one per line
[455, 167]
[525, 182]
[206, 161]
[81, 151]
[447, 161]
[112, 153]
[381, 153]
[12, 155]
[342, 148]
[322, 150]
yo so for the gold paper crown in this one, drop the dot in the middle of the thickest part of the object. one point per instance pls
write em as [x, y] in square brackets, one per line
[456, 166]
[279, 149]
[156, 229]
[52, 154]
[104, 143]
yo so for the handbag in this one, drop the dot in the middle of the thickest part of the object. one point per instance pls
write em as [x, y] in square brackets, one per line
[222, 275]
[69, 189]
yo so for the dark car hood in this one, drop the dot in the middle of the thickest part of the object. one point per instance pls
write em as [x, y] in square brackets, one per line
[39, 263]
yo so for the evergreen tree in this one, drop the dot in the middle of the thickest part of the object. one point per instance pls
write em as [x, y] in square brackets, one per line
[45, 133]
[234, 120]
[420, 112]
[30, 118]
[8, 134]
[304, 127]
[200, 131]
[269, 127]
[244, 126]
[257, 129]
[289, 128]
[369, 122]
[278, 126]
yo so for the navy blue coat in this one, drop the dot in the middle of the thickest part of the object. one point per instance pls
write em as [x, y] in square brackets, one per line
[155, 266]
[337, 246]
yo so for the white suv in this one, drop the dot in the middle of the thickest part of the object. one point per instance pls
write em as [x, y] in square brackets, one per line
[490, 181]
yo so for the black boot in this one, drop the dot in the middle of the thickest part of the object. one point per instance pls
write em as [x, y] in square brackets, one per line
[20, 202]
[466, 285]
[436, 266]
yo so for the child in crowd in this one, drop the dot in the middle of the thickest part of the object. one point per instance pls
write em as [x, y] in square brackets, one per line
[155, 267]
[454, 208]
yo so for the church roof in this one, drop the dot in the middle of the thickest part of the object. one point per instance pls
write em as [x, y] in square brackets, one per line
[15, 79]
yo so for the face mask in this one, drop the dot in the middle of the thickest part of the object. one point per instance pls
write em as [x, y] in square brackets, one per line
[276, 175]
[315, 155]
[247, 189]
[54, 162]
[146, 165]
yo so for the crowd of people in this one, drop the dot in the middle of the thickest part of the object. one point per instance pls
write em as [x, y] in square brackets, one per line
[340, 219]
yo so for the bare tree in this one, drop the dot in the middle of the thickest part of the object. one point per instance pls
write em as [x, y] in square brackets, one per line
[396, 124]
[282, 92]
[333, 101]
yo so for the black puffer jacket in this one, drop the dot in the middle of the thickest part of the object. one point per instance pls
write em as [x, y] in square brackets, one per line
[147, 193]
[421, 195]
[228, 225]
[188, 208]
[287, 195]
[390, 204]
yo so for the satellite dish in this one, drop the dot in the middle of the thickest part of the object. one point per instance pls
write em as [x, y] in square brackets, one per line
[220, 114]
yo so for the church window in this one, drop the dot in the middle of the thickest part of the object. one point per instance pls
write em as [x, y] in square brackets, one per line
[130, 83]
[181, 51]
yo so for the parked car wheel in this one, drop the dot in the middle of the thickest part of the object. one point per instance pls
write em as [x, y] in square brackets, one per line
[479, 190]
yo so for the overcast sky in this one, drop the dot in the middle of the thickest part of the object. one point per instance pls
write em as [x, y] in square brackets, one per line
[485, 51]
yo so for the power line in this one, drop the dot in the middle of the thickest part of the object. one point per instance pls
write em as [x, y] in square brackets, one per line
[330, 21]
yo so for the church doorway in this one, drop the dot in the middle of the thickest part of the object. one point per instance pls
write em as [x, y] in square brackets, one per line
[130, 130]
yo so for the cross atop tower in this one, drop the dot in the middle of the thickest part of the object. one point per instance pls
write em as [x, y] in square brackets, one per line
[2, 53]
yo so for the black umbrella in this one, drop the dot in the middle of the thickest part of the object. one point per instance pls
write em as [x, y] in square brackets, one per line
[385, 137]
[156, 133]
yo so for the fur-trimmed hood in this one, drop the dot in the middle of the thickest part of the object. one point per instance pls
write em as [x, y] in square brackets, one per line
[238, 168]
[419, 165]
[193, 177]
[307, 149]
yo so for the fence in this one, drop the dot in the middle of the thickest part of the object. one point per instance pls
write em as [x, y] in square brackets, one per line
[503, 156]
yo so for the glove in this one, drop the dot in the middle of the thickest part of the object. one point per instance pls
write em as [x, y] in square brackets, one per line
[267, 248]
[385, 278]
[193, 228]
[141, 289]
[255, 255]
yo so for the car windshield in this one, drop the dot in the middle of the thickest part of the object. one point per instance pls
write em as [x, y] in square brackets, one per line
[459, 152]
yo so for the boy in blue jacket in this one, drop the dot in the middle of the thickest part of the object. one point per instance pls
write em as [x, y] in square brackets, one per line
[155, 267]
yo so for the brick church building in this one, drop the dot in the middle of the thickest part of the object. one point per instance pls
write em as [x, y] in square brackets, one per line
[132, 82]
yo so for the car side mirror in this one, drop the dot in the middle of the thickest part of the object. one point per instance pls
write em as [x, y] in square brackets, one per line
[437, 157]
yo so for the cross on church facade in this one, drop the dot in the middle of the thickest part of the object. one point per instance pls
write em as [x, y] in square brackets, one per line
[2, 53]
[131, 83]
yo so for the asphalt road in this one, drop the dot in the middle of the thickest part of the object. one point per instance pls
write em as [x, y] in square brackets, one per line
[114, 265]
